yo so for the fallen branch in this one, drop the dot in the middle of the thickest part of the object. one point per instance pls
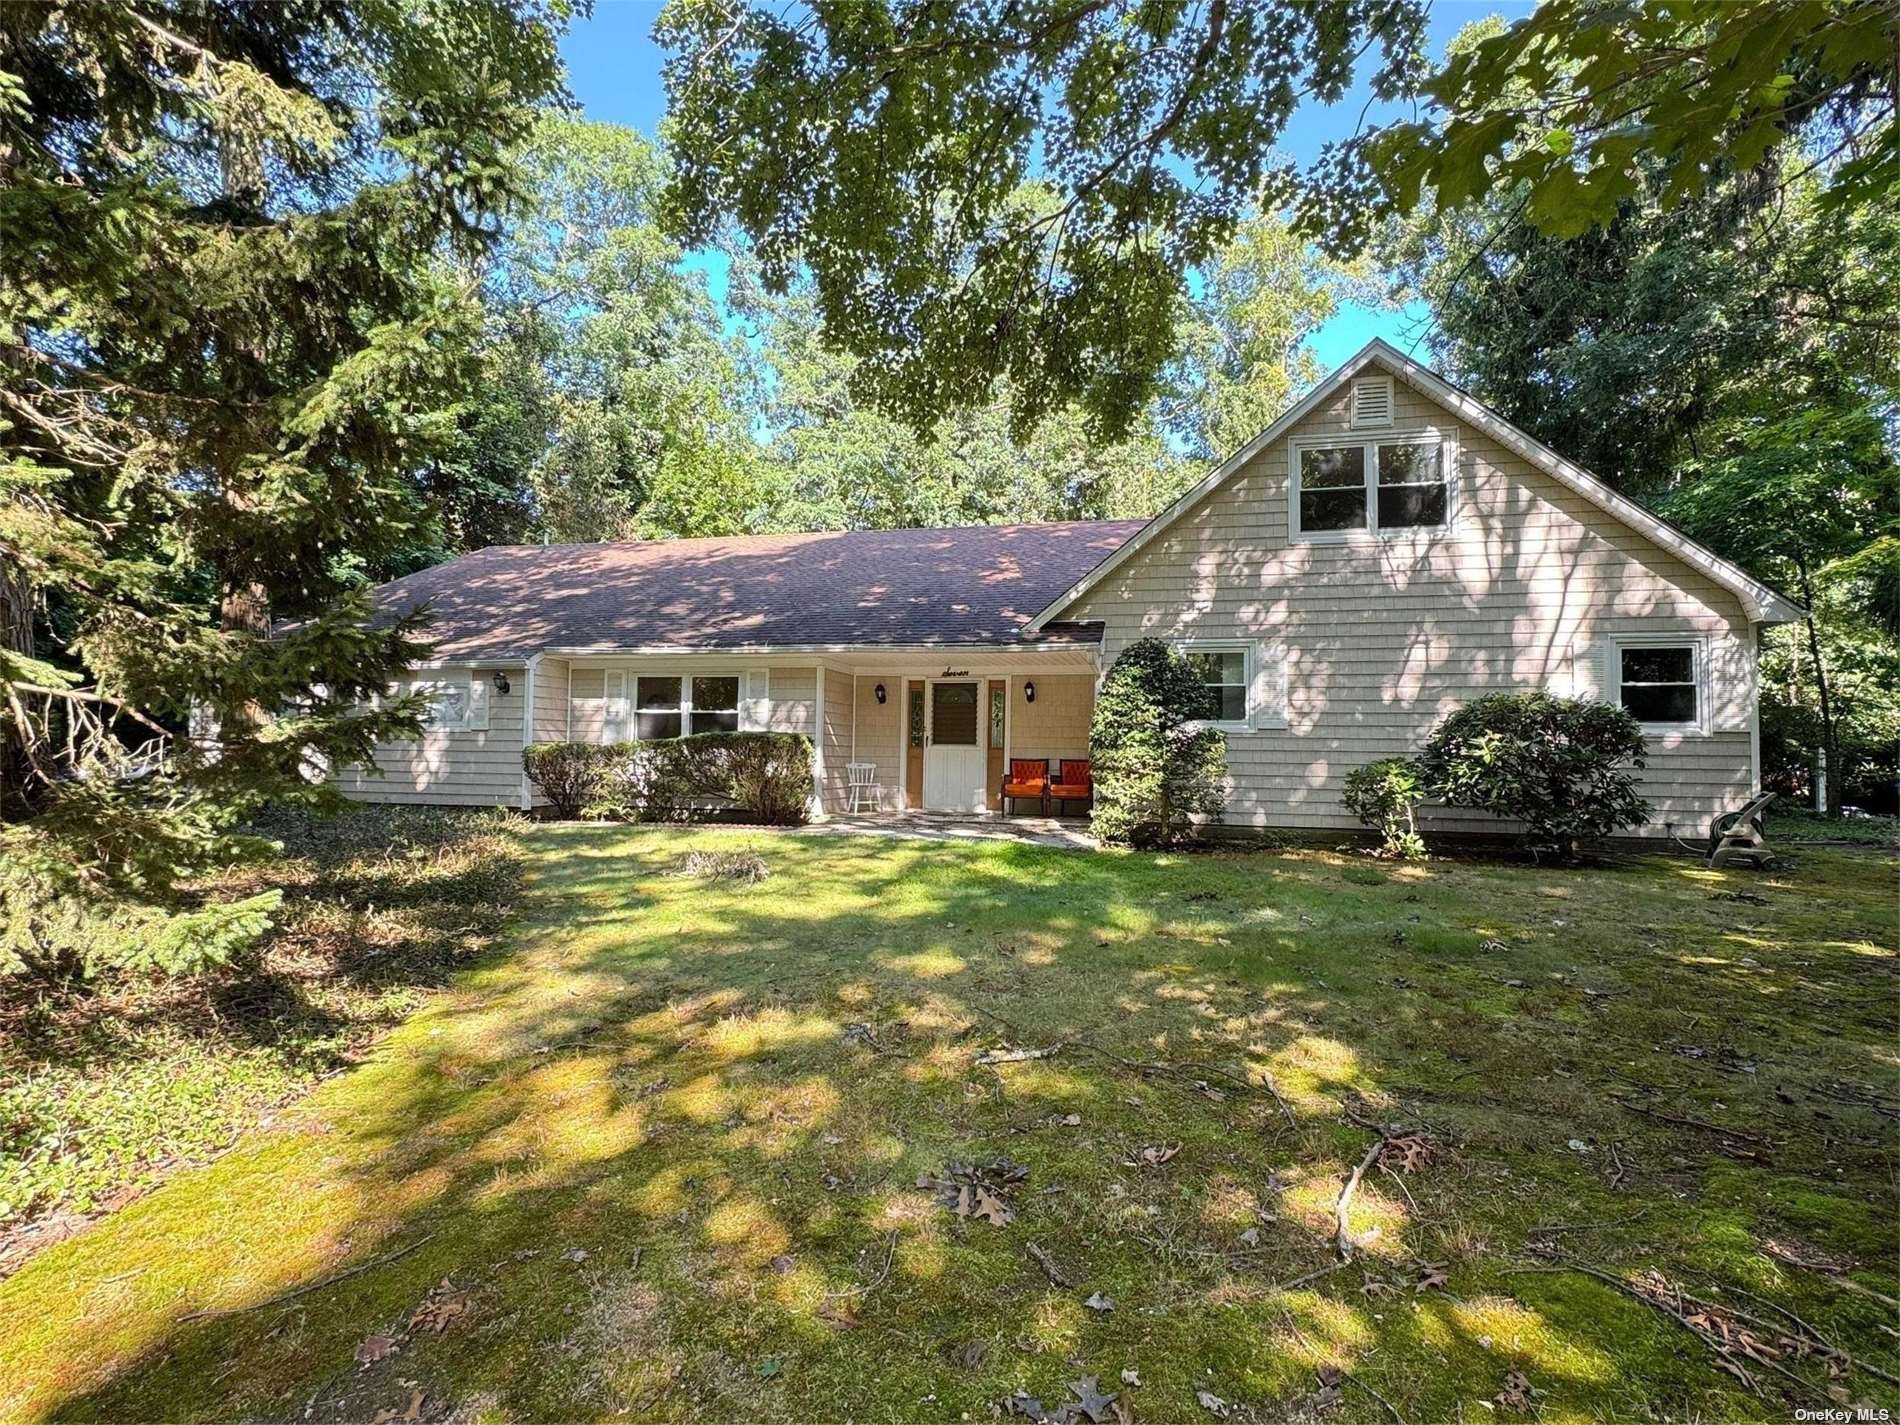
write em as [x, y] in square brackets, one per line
[1018, 1056]
[1342, 1238]
[1837, 1275]
[1041, 1258]
[1675, 1313]
[1274, 1089]
[1686, 1122]
[312, 1286]
[1306, 1277]
[1390, 1407]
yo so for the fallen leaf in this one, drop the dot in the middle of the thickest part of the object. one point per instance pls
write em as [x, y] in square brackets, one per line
[1329, 1375]
[838, 1315]
[988, 1206]
[1211, 1403]
[575, 1254]
[412, 1412]
[1130, 1376]
[1408, 1152]
[1250, 1238]
[443, 1305]
[1099, 1302]
[1090, 1401]
[967, 1355]
[1155, 1154]
[1017, 1056]
[1517, 1392]
[1022, 1403]
[783, 1264]
[374, 1348]
[1431, 1276]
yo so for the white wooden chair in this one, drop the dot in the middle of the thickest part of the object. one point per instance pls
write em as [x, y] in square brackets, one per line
[861, 781]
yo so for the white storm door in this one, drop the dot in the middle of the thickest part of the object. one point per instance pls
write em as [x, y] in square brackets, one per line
[953, 751]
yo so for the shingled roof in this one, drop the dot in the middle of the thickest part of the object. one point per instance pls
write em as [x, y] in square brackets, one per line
[971, 586]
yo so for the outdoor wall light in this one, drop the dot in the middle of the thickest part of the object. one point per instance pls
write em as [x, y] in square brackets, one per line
[879, 693]
[501, 683]
[1029, 692]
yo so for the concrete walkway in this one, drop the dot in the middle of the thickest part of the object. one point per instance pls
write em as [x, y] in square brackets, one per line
[1071, 833]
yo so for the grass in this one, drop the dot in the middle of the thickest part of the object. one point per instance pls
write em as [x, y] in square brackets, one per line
[660, 1156]
[106, 1088]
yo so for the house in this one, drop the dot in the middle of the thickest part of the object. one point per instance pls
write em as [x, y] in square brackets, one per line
[1384, 552]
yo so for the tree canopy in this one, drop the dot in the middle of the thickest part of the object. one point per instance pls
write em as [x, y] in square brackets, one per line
[1005, 194]
[1011, 195]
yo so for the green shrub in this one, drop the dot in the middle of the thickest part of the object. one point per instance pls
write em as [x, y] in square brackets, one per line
[569, 774]
[1155, 771]
[762, 776]
[1555, 764]
[1384, 795]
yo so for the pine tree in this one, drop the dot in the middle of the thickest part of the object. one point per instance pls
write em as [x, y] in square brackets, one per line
[230, 335]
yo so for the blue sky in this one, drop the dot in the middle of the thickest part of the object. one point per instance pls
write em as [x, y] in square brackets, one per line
[614, 71]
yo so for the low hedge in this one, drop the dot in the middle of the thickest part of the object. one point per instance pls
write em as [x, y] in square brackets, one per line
[757, 776]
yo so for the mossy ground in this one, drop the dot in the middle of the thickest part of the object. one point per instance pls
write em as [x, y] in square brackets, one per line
[674, 1183]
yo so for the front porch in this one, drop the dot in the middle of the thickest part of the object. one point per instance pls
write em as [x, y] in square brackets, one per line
[940, 740]
[936, 727]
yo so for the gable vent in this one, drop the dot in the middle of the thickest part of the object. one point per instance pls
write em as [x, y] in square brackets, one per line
[1372, 401]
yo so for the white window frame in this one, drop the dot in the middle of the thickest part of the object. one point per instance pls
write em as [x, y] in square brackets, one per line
[1699, 668]
[620, 700]
[1257, 656]
[1369, 444]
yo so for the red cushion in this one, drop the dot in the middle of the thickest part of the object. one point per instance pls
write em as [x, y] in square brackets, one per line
[1024, 789]
[1076, 773]
[1071, 791]
[1029, 769]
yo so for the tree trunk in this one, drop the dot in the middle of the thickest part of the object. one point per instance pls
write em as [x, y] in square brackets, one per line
[1830, 735]
[16, 636]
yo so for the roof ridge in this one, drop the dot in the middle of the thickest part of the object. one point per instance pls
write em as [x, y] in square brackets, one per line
[670, 541]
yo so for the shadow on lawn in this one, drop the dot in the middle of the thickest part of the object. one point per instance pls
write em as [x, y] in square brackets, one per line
[665, 1080]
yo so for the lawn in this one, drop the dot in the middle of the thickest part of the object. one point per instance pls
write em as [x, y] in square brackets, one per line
[681, 1148]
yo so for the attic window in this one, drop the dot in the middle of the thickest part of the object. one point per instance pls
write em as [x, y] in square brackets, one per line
[1372, 401]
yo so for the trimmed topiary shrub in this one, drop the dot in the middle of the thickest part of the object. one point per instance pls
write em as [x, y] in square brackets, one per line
[756, 776]
[1155, 771]
[1384, 795]
[1559, 765]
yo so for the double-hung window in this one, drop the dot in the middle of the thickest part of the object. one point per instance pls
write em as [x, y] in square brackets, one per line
[1225, 673]
[1659, 684]
[671, 705]
[656, 709]
[1381, 485]
[715, 704]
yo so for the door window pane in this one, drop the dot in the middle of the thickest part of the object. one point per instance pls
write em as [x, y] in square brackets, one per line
[998, 706]
[657, 709]
[715, 704]
[953, 715]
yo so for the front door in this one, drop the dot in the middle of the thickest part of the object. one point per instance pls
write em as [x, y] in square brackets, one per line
[953, 751]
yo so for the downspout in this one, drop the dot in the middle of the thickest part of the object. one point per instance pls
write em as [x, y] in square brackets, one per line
[527, 730]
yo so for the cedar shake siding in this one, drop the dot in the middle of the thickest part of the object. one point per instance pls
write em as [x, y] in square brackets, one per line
[451, 768]
[1530, 587]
